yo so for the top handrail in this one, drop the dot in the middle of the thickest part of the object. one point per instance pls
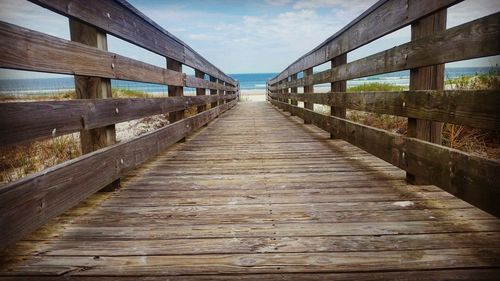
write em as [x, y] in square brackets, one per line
[121, 19]
[388, 15]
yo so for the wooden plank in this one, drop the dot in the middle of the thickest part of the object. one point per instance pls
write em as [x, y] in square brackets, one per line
[303, 216]
[77, 232]
[55, 118]
[426, 78]
[30, 202]
[313, 244]
[30, 50]
[338, 109]
[479, 274]
[467, 41]
[470, 178]
[121, 19]
[260, 263]
[382, 18]
[195, 82]
[474, 108]
[175, 91]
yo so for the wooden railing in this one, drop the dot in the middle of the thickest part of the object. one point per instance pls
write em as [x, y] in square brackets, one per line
[30, 202]
[471, 178]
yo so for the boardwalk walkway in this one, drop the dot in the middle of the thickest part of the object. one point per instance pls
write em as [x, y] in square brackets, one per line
[258, 192]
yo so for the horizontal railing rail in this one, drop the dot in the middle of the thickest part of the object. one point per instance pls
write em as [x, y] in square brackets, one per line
[422, 52]
[473, 179]
[420, 153]
[30, 202]
[473, 108]
[382, 18]
[55, 118]
[119, 18]
[26, 49]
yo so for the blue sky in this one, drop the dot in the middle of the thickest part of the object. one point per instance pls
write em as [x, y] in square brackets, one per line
[246, 36]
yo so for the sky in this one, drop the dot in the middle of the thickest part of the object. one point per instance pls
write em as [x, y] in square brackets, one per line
[258, 36]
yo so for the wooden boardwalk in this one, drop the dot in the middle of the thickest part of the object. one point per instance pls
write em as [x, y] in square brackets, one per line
[260, 195]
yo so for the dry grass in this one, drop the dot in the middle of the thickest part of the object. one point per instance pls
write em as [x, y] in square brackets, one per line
[485, 143]
[390, 123]
[475, 141]
[19, 161]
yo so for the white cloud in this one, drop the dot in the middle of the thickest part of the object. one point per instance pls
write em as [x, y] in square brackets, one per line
[278, 2]
[263, 42]
[470, 10]
[28, 15]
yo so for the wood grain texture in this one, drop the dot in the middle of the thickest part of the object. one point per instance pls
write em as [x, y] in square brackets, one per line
[382, 18]
[121, 19]
[419, 275]
[30, 202]
[338, 109]
[175, 91]
[213, 91]
[478, 109]
[200, 91]
[470, 178]
[308, 89]
[467, 41]
[88, 87]
[55, 118]
[426, 78]
[276, 199]
[31, 50]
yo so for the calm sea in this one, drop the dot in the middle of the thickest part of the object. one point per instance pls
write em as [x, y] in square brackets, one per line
[249, 82]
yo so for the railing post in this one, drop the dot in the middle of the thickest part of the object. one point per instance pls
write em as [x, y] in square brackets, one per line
[283, 91]
[175, 91]
[87, 87]
[221, 92]
[293, 90]
[309, 89]
[426, 78]
[213, 92]
[200, 91]
[338, 110]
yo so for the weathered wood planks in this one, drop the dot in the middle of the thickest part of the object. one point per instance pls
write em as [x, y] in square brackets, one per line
[31, 50]
[479, 109]
[275, 200]
[470, 178]
[55, 118]
[382, 18]
[426, 51]
[30, 202]
[124, 21]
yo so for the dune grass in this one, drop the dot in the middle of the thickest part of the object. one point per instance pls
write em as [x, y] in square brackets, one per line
[390, 123]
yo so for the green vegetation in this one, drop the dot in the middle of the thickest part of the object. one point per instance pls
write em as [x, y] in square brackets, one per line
[372, 87]
[390, 123]
[125, 93]
[481, 142]
[19, 161]
[117, 93]
[490, 80]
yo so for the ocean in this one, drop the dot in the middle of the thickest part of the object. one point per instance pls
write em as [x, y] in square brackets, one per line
[249, 82]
